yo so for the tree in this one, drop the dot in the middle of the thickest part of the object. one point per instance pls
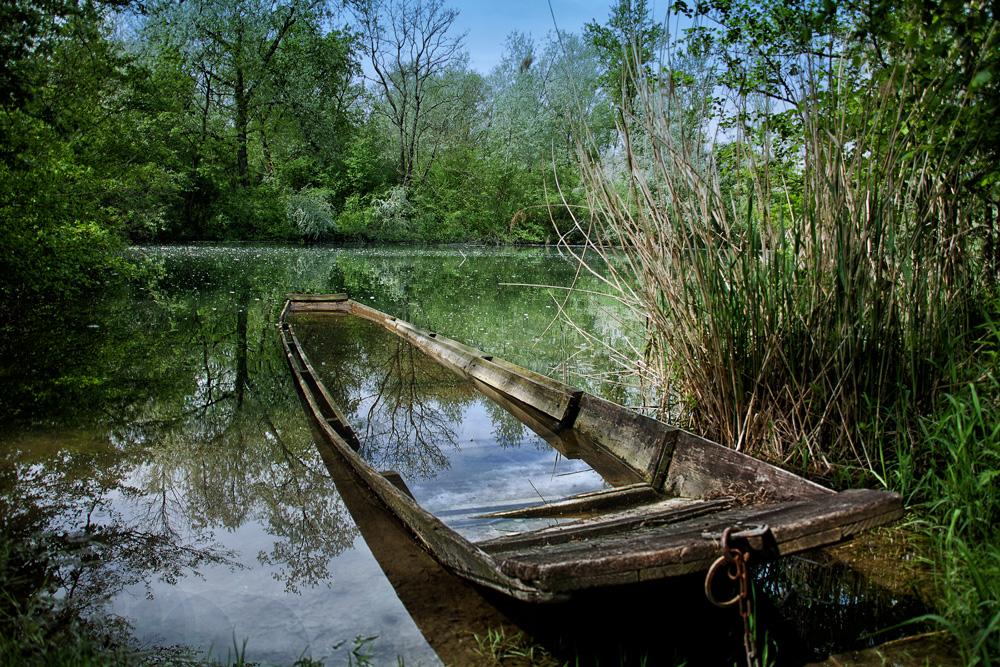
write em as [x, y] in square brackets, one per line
[628, 43]
[232, 47]
[63, 96]
[314, 109]
[410, 51]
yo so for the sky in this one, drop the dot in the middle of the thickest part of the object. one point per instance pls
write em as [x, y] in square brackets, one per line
[488, 23]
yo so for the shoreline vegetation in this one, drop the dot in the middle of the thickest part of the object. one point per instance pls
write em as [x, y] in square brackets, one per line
[798, 202]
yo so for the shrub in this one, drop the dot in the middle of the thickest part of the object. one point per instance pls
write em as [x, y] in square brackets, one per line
[309, 211]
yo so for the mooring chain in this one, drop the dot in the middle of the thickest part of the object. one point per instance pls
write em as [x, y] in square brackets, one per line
[735, 561]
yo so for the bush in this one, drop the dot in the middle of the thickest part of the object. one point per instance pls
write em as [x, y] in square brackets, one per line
[310, 212]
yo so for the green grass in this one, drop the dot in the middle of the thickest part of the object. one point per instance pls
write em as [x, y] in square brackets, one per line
[951, 473]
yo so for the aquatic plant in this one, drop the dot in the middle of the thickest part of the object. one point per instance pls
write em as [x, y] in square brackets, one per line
[955, 466]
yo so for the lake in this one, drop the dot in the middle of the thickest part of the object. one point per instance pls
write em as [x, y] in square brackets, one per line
[154, 449]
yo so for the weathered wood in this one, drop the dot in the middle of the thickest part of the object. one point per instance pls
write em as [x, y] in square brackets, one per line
[369, 313]
[555, 403]
[455, 357]
[700, 466]
[542, 393]
[397, 481]
[568, 442]
[644, 444]
[321, 298]
[319, 306]
[583, 504]
[329, 410]
[665, 512]
[681, 548]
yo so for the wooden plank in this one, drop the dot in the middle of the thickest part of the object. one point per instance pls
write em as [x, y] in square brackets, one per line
[329, 410]
[700, 467]
[397, 481]
[318, 297]
[319, 306]
[557, 404]
[657, 514]
[644, 444]
[542, 393]
[450, 356]
[583, 504]
[369, 313]
[689, 546]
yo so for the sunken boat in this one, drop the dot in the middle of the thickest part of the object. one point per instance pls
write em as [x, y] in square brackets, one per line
[670, 503]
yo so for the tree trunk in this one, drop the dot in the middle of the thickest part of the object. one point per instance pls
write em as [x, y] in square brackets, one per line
[242, 123]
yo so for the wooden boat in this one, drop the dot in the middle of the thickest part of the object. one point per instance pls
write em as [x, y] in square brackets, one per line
[674, 494]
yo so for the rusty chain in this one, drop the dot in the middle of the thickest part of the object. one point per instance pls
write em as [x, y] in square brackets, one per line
[735, 561]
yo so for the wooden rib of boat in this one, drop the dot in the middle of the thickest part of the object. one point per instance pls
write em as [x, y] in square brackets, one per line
[669, 522]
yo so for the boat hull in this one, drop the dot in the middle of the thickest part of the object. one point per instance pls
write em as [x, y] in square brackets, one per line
[678, 492]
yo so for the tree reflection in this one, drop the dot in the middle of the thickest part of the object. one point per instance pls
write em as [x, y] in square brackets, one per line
[185, 385]
[139, 430]
[76, 540]
[405, 407]
[238, 450]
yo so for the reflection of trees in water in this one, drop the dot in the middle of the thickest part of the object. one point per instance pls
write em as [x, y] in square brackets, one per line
[408, 418]
[185, 377]
[238, 450]
[191, 394]
[72, 536]
[510, 432]
[404, 406]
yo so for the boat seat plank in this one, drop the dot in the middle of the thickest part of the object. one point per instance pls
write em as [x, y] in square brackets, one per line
[663, 513]
[582, 504]
[673, 549]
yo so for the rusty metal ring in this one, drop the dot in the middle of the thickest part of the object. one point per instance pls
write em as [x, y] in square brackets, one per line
[721, 560]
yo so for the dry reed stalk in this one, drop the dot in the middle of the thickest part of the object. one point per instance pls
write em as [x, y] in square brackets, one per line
[786, 328]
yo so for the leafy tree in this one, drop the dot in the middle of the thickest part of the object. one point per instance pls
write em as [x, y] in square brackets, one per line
[411, 52]
[232, 48]
[628, 43]
[65, 100]
[314, 106]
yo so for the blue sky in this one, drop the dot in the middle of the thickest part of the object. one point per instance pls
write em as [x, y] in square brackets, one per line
[490, 21]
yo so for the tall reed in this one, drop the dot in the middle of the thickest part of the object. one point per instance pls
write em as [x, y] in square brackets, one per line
[786, 308]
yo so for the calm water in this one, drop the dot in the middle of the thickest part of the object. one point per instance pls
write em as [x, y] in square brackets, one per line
[152, 445]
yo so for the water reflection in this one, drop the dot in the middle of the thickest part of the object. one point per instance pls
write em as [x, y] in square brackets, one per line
[402, 405]
[460, 454]
[155, 461]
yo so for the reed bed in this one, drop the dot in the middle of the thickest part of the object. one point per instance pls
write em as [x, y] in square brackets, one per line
[823, 296]
[791, 309]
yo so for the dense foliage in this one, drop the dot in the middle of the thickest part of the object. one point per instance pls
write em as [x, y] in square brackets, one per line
[808, 243]
[252, 120]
